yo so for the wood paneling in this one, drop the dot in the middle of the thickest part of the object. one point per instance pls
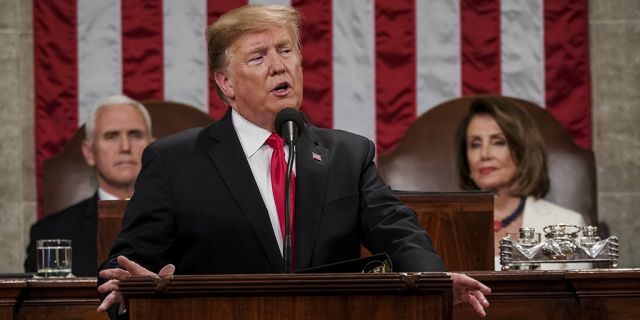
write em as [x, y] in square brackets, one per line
[291, 296]
[110, 213]
[587, 295]
[460, 225]
[72, 298]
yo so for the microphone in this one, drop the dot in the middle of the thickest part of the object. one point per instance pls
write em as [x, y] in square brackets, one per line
[289, 125]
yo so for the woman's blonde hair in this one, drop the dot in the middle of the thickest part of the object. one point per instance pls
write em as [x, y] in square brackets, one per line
[247, 19]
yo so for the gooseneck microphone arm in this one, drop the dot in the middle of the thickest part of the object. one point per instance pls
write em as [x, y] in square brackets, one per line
[289, 124]
[287, 245]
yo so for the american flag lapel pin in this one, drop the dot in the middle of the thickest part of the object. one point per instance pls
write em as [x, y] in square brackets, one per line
[316, 156]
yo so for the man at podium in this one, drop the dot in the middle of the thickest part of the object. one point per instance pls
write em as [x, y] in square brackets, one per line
[212, 200]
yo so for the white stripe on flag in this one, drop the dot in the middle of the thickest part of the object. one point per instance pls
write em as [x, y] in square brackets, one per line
[522, 46]
[99, 53]
[185, 53]
[354, 67]
[437, 53]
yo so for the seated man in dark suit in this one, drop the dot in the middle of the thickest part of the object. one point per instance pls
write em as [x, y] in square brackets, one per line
[116, 133]
[209, 200]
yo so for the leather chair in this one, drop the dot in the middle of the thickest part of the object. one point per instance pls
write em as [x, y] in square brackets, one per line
[67, 179]
[425, 158]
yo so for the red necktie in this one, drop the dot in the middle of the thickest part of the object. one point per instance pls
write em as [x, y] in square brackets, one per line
[278, 176]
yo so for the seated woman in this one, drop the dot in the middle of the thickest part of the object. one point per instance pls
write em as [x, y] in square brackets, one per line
[500, 149]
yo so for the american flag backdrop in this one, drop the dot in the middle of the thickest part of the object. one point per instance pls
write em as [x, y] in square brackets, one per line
[370, 66]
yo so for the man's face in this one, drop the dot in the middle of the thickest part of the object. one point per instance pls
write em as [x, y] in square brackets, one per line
[120, 136]
[263, 75]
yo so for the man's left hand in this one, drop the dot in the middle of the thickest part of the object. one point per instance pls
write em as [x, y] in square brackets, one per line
[471, 291]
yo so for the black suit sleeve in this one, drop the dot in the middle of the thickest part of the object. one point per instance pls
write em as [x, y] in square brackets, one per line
[389, 226]
[30, 261]
[148, 227]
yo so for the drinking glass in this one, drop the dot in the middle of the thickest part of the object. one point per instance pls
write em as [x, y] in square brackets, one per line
[54, 258]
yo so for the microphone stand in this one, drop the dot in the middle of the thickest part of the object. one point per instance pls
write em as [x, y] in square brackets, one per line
[286, 250]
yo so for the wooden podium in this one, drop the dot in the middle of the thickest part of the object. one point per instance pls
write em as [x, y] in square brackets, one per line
[524, 295]
[291, 296]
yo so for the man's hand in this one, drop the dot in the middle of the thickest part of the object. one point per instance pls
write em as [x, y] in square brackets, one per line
[471, 291]
[116, 274]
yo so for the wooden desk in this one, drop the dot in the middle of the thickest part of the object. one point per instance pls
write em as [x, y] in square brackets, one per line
[10, 290]
[607, 295]
[73, 298]
[586, 295]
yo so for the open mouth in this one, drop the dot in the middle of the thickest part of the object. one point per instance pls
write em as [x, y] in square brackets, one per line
[282, 88]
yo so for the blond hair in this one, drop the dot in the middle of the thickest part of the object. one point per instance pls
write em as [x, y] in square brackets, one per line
[247, 19]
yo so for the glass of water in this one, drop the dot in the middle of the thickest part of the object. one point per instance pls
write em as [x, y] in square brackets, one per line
[54, 258]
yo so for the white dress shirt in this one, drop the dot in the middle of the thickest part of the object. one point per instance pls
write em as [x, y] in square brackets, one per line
[258, 153]
[103, 195]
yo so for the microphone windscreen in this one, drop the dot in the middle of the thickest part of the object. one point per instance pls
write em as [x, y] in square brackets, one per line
[288, 114]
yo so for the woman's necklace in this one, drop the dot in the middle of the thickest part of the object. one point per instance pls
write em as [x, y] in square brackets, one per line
[499, 224]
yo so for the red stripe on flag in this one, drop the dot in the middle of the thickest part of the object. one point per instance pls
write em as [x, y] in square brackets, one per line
[216, 8]
[317, 53]
[395, 70]
[567, 75]
[56, 80]
[142, 60]
[480, 46]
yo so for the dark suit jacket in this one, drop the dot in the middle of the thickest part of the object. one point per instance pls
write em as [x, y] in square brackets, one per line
[77, 223]
[197, 205]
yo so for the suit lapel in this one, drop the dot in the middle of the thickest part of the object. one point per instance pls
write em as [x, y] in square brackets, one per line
[312, 166]
[226, 153]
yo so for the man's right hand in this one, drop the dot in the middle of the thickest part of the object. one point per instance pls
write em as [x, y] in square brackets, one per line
[116, 274]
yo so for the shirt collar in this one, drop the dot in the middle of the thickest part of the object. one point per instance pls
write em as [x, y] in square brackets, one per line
[251, 136]
[103, 195]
